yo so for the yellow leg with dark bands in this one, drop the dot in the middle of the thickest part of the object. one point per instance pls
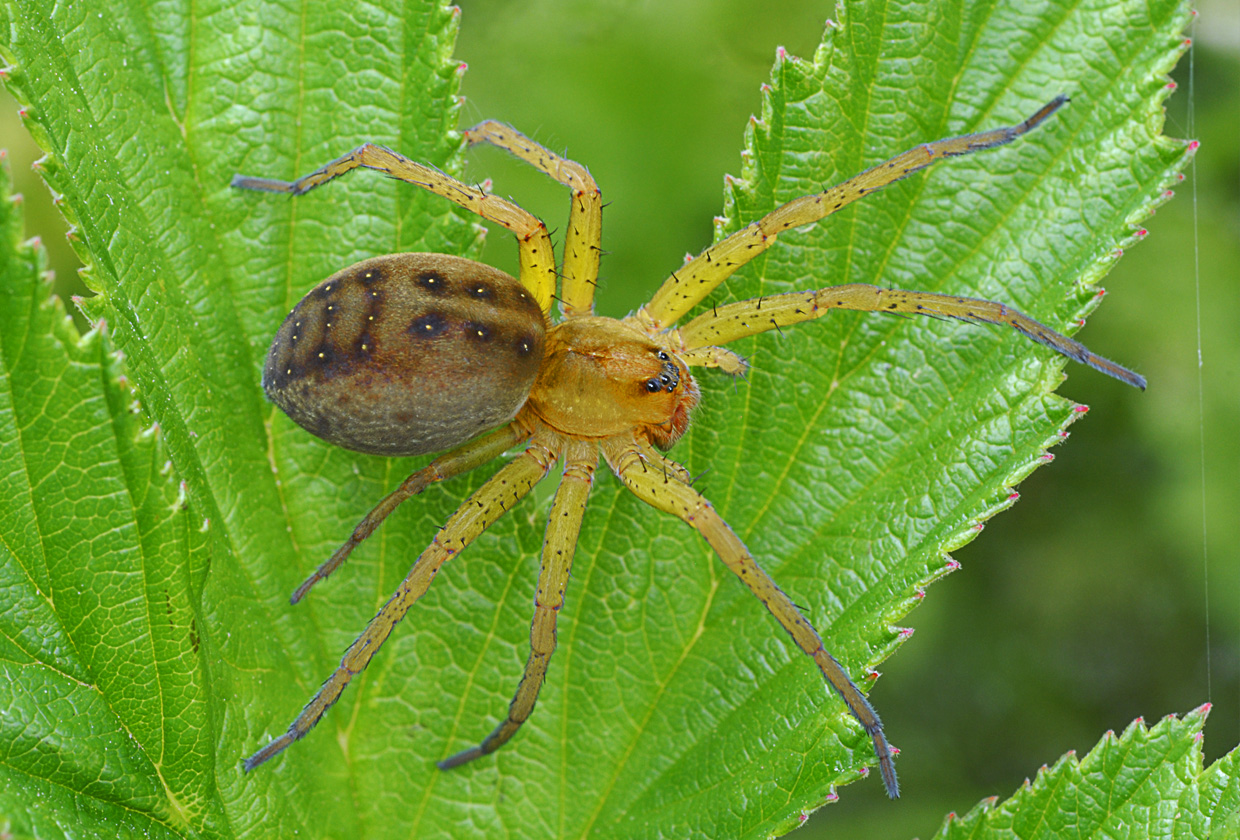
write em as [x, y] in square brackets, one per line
[460, 460]
[537, 257]
[688, 286]
[563, 525]
[479, 512]
[683, 501]
[748, 317]
[585, 217]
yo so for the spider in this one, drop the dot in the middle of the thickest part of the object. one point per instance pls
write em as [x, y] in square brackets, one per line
[410, 354]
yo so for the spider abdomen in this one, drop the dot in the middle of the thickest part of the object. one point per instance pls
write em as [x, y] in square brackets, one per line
[407, 354]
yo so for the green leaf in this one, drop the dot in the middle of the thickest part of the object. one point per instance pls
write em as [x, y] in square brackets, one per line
[858, 452]
[106, 708]
[1148, 782]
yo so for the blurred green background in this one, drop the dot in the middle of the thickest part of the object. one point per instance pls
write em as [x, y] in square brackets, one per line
[1078, 610]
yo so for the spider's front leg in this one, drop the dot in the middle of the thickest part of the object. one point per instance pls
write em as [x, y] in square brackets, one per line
[691, 284]
[749, 317]
[479, 512]
[563, 526]
[627, 460]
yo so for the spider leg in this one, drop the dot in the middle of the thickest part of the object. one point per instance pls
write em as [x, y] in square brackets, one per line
[683, 501]
[655, 462]
[688, 286]
[582, 243]
[460, 460]
[479, 511]
[563, 526]
[748, 317]
[537, 258]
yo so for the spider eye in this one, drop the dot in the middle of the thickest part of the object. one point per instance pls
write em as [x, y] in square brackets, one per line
[663, 357]
[654, 385]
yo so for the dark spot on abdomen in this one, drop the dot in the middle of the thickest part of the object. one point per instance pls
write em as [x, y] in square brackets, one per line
[475, 331]
[433, 282]
[325, 291]
[429, 325]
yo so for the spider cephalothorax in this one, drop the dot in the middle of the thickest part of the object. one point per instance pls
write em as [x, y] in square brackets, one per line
[417, 353]
[601, 377]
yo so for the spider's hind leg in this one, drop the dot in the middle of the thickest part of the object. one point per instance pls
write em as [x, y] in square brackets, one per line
[537, 258]
[681, 500]
[583, 241]
[460, 460]
[563, 526]
[479, 512]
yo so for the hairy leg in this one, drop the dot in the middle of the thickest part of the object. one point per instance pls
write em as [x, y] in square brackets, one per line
[582, 243]
[460, 460]
[688, 286]
[563, 526]
[537, 257]
[748, 317]
[483, 508]
[681, 500]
